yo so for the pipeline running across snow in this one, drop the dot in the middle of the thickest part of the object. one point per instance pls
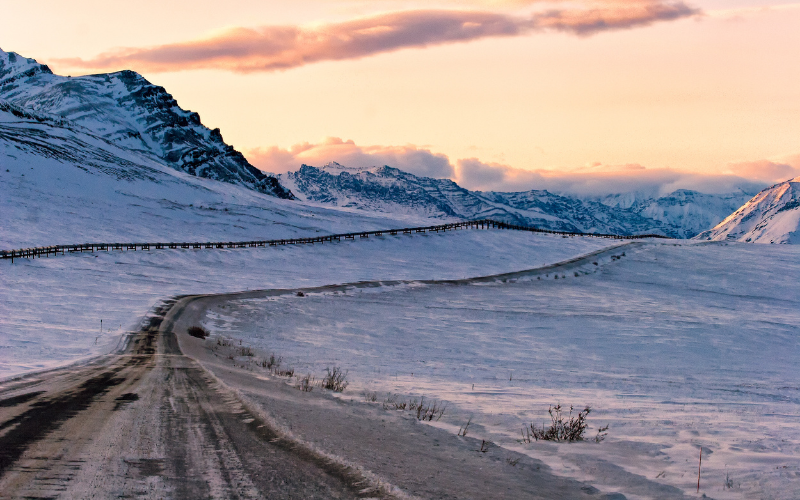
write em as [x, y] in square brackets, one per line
[474, 224]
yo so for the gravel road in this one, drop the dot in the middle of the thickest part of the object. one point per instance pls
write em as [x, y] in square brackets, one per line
[146, 423]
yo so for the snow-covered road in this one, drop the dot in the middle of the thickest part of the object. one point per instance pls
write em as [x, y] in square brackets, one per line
[153, 422]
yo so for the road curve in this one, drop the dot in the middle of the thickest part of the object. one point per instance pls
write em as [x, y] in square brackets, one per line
[151, 422]
[148, 423]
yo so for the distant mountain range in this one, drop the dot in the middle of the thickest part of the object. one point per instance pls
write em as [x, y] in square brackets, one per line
[681, 214]
[121, 124]
[134, 114]
[772, 216]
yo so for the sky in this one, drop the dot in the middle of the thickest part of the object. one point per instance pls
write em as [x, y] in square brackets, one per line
[573, 96]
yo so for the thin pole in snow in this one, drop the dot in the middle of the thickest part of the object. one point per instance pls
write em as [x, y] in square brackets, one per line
[698, 469]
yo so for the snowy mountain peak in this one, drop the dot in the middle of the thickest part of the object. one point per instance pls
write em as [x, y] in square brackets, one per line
[681, 214]
[391, 190]
[125, 108]
[14, 67]
[771, 216]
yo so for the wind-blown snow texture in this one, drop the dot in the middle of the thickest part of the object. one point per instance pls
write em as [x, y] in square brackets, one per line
[50, 308]
[674, 346]
[772, 216]
[681, 214]
[134, 114]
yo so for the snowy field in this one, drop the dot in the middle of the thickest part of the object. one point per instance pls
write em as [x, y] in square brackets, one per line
[674, 347]
[50, 308]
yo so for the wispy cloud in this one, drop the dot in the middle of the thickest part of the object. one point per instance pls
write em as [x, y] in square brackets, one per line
[271, 48]
[738, 13]
[767, 170]
[612, 16]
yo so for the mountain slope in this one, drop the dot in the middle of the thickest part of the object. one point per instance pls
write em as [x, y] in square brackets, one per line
[772, 216]
[391, 190]
[688, 212]
[125, 108]
[582, 215]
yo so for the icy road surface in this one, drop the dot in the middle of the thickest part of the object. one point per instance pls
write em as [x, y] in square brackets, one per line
[676, 347]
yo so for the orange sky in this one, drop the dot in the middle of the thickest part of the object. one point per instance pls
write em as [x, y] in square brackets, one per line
[478, 91]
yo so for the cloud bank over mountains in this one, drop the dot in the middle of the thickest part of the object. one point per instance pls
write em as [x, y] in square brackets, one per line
[596, 179]
[272, 48]
[412, 159]
[281, 47]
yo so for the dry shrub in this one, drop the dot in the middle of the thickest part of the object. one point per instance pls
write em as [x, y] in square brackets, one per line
[289, 372]
[424, 411]
[306, 384]
[567, 428]
[429, 411]
[392, 403]
[335, 380]
[462, 431]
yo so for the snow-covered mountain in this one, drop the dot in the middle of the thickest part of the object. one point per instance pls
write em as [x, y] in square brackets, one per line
[387, 189]
[771, 216]
[61, 184]
[87, 115]
[681, 214]
[688, 212]
[575, 214]
[125, 108]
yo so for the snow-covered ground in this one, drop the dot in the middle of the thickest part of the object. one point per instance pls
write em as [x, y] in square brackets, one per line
[124, 197]
[60, 184]
[675, 347]
[50, 308]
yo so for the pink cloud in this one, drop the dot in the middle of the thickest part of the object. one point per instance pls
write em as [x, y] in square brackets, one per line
[271, 48]
[477, 175]
[595, 179]
[613, 16]
[766, 170]
[418, 161]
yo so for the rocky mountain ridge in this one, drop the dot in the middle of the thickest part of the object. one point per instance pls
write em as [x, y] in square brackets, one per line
[681, 214]
[125, 108]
